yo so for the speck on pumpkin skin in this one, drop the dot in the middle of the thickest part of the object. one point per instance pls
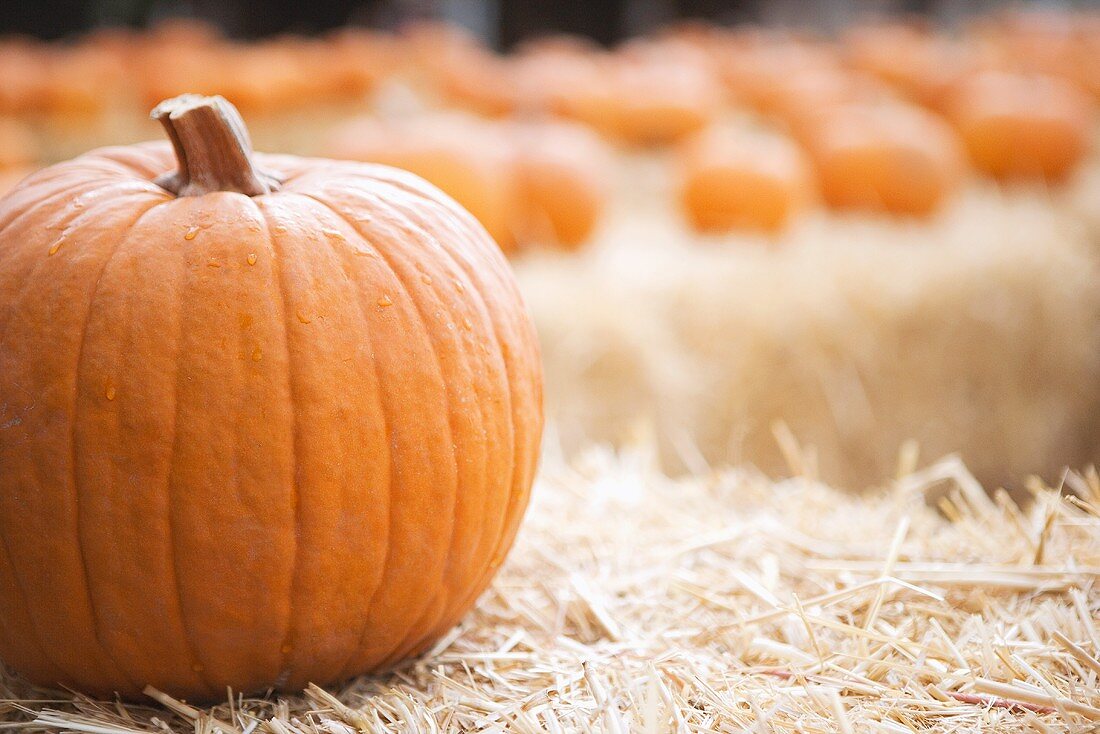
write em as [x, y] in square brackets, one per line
[385, 300]
[251, 259]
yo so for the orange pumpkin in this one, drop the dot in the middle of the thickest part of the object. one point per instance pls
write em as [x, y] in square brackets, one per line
[647, 96]
[759, 69]
[18, 147]
[358, 59]
[267, 420]
[890, 158]
[25, 70]
[799, 100]
[549, 72]
[459, 154]
[454, 63]
[739, 180]
[1019, 126]
[921, 65]
[82, 82]
[562, 172]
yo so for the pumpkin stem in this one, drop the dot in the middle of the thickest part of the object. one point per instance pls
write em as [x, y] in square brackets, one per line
[212, 148]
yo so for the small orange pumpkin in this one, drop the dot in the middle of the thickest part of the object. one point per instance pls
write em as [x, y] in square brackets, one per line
[548, 72]
[891, 158]
[448, 59]
[923, 66]
[646, 96]
[25, 66]
[740, 180]
[18, 147]
[458, 153]
[562, 175]
[758, 68]
[1023, 126]
[267, 420]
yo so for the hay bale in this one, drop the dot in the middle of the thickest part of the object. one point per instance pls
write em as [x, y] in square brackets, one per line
[977, 332]
[724, 603]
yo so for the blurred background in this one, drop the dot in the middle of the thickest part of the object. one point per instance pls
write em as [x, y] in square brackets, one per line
[818, 237]
[501, 23]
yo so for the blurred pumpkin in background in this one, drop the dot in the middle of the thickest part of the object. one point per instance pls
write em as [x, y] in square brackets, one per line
[921, 65]
[84, 81]
[562, 173]
[18, 145]
[742, 180]
[549, 70]
[648, 94]
[478, 80]
[269, 420]
[758, 68]
[195, 50]
[25, 76]
[19, 152]
[451, 62]
[1018, 126]
[358, 60]
[891, 158]
[535, 181]
[460, 154]
[799, 100]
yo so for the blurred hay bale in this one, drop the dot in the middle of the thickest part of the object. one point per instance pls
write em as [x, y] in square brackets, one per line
[634, 603]
[978, 332]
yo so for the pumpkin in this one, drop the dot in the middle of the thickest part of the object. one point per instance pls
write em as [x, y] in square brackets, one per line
[647, 95]
[562, 172]
[798, 101]
[891, 158]
[358, 59]
[1023, 126]
[740, 180]
[480, 81]
[549, 71]
[459, 154]
[266, 420]
[453, 62]
[25, 69]
[921, 65]
[758, 69]
[82, 82]
[18, 147]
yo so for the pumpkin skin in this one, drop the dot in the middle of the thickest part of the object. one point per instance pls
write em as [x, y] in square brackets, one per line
[256, 440]
[460, 154]
[647, 96]
[562, 173]
[923, 66]
[1022, 126]
[889, 158]
[18, 147]
[735, 180]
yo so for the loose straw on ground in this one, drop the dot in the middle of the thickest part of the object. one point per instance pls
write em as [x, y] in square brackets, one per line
[634, 602]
